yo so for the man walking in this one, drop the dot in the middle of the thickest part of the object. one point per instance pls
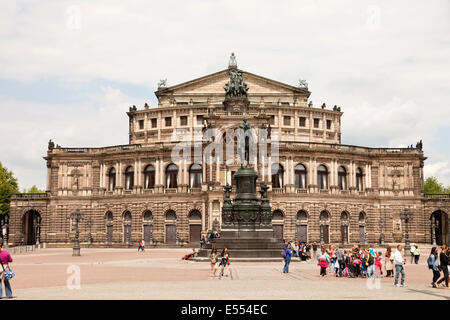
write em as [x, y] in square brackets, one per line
[340, 259]
[5, 260]
[399, 269]
[287, 258]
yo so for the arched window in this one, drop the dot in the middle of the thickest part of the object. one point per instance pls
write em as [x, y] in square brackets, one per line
[277, 216]
[300, 176]
[359, 184]
[149, 177]
[148, 217]
[362, 217]
[195, 176]
[171, 215]
[344, 217]
[277, 175]
[129, 178]
[324, 216]
[171, 176]
[112, 179]
[302, 215]
[322, 177]
[195, 215]
[109, 217]
[127, 217]
[342, 178]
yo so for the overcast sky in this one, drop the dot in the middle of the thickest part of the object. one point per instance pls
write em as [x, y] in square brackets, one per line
[69, 70]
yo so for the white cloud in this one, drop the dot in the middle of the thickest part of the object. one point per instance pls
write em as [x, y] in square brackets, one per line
[99, 121]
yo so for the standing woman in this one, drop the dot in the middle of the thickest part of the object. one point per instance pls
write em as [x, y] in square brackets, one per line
[416, 255]
[388, 262]
[444, 265]
[5, 260]
[224, 262]
[213, 256]
[433, 265]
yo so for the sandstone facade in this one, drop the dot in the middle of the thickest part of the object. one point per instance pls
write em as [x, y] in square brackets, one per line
[136, 191]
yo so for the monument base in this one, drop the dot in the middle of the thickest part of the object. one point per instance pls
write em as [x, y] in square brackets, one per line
[242, 243]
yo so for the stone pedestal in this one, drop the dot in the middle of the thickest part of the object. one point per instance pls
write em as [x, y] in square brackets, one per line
[247, 229]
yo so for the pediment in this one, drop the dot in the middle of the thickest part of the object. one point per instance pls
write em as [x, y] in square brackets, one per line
[213, 84]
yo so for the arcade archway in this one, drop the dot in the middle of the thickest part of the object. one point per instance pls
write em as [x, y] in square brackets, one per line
[31, 225]
[439, 224]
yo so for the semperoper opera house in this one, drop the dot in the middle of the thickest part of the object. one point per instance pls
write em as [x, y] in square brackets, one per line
[319, 189]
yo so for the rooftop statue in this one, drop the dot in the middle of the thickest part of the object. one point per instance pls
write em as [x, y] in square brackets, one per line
[302, 84]
[162, 84]
[232, 63]
[236, 87]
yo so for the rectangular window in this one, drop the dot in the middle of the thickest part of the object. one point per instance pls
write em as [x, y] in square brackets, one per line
[328, 124]
[154, 122]
[183, 120]
[168, 121]
[316, 122]
[302, 122]
[287, 120]
[199, 119]
[285, 103]
[272, 120]
[141, 124]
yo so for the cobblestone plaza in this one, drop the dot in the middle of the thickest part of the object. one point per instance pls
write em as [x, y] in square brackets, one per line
[162, 274]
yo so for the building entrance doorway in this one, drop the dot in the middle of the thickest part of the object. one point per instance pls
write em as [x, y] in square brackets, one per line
[31, 225]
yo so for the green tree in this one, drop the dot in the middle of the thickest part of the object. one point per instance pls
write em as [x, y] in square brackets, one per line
[33, 189]
[8, 186]
[432, 185]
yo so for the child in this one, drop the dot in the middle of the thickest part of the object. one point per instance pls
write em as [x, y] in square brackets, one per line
[379, 264]
[324, 262]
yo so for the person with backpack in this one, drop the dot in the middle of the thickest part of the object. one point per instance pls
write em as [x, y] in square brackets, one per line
[432, 262]
[5, 260]
[286, 254]
[324, 262]
[371, 263]
[443, 258]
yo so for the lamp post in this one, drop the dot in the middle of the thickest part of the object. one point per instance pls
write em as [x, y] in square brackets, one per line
[406, 216]
[89, 225]
[321, 234]
[433, 230]
[38, 230]
[77, 216]
[382, 231]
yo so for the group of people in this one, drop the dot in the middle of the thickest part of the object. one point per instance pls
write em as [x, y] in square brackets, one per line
[219, 261]
[366, 262]
[211, 235]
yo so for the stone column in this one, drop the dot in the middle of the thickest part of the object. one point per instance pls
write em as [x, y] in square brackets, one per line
[218, 171]
[210, 213]
[204, 229]
[269, 169]
[157, 172]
